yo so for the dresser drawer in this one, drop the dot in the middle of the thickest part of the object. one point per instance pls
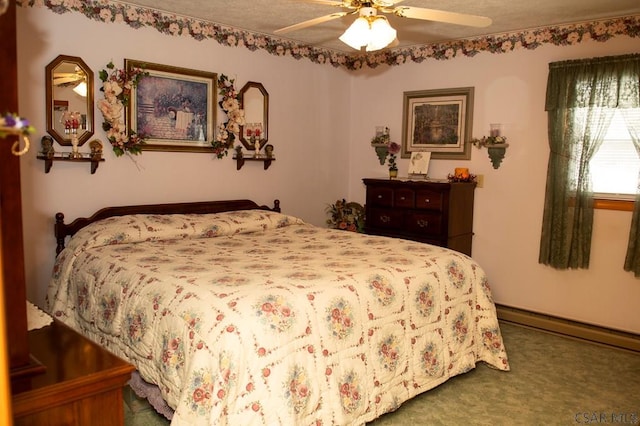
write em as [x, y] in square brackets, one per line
[427, 199]
[385, 218]
[424, 222]
[403, 198]
[380, 196]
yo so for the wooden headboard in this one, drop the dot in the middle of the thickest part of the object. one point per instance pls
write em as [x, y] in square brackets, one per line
[62, 230]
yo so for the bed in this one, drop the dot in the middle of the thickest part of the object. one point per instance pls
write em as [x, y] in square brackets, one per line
[240, 314]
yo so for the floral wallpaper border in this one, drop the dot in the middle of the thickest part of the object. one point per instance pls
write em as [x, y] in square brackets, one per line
[111, 11]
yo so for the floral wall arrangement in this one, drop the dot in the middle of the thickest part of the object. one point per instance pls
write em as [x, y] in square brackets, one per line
[137, 17]
[228, 131]
[116, 86]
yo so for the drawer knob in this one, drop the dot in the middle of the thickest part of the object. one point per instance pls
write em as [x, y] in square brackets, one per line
[402, 198]
[423, 223]
[385, 219]
[426, 200]
[379, 197]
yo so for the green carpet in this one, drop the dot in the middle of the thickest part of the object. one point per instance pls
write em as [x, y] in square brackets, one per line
[553, 380]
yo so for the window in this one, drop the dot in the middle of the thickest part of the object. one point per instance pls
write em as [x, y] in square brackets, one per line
[580, 97]
[615, 167]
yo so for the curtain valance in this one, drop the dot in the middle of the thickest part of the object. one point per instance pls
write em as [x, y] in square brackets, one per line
[610, 81]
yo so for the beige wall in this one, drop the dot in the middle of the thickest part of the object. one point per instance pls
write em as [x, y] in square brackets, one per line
[321, 122]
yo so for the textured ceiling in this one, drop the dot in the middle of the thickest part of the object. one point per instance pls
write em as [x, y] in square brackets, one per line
[265, 16]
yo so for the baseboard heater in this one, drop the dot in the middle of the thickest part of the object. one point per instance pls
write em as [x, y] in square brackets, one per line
[576, 329]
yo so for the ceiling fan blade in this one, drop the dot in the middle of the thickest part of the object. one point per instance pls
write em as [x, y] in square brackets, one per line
[64, 80]
[64, 74]
[311, 22]
[331, 2]
[386, 3]
[352, 4]
[442, 16]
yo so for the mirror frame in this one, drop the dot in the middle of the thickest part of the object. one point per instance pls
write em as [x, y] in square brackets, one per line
[265, 117]
[86, 135]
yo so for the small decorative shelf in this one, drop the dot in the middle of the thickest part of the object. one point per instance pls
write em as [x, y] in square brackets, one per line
[240, 159]
[86, 158]
[496, 153]
[495, 143]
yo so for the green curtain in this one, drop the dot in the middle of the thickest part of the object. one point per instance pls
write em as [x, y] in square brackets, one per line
[632, 260]
[581, 98]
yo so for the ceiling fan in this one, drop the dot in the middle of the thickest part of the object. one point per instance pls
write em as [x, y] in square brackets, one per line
[371, 31]
[76, 79]
[68, 78]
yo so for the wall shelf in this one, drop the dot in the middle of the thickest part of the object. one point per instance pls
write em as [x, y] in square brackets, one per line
[240, 160]
[86, 158]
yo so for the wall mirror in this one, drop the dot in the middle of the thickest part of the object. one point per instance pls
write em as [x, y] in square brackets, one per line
[69, 89]
[254, 99]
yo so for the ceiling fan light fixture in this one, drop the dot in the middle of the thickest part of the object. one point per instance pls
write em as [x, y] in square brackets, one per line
[357, 35]
[81, 89]
[381, 34]
[372, 33]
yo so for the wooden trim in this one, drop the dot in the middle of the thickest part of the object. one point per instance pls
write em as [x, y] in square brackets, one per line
[605, 204]
[579, 330]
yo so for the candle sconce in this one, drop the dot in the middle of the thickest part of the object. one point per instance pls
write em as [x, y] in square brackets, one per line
[495, 143]
[381, 143]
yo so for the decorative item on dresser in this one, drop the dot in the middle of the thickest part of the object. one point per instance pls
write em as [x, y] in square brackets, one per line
[439, 213]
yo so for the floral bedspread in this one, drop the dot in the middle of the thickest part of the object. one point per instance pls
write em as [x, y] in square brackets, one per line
[257, 318]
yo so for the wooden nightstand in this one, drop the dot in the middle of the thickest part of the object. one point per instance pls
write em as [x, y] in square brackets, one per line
[438, 213]
[82, 384]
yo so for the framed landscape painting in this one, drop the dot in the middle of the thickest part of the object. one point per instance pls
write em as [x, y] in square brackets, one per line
[438, 121]
[173, 107]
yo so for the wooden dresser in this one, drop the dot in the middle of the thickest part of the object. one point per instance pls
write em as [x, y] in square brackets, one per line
[82, 384]
[438, 213]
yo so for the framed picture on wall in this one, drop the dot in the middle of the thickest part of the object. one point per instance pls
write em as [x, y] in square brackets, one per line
[438, 121]
[173, 107]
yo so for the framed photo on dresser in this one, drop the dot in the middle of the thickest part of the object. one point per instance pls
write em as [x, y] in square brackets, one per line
[419, 164]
